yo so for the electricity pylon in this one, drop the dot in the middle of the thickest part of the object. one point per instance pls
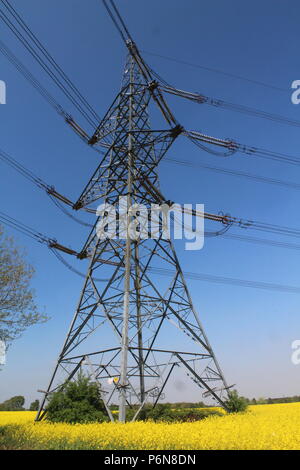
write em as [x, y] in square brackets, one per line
[129, 322]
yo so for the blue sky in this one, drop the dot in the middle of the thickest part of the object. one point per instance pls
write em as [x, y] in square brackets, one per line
[250, 330]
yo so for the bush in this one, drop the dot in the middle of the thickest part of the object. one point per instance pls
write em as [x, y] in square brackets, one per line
[164, 413]
[160, 413]
[235, 403]
[77, 402]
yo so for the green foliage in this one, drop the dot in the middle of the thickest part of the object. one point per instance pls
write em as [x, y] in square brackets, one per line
[195, 415]
[13, 404]
[236, 403]
[161, 412]
[166, 413]
[270, 401]
[77, 402]
[8, 440]
[34, 406]
[185, 404]
[18, 310]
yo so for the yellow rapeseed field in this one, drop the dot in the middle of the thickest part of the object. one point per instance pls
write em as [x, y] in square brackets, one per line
[262, 427]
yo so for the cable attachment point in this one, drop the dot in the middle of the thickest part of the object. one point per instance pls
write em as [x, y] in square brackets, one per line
[131, 46]
[226, 218]
[82, 255]
[57, 246]
[78, 205]
[81, 132]
[93, 140]
[152, 85]
[176, 131]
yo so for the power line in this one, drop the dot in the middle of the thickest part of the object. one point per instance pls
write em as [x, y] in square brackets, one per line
[245, 223]
[203, 277]
[114, 21]
[231, 281]
[262, 241]
[49, 57]
[41, 238]
[30, 176]
[31, 79]
[241, 174]
[222, 72]
[254, 151]
[71, 268]
[22, 228]
[247, 150]
[203, 99]
[254, 225]
[46, 95]
[74, 100]
[232, 147]
[121, 27]
[37, 236]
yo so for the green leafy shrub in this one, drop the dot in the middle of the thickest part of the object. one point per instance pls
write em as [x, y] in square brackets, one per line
[164, 413]
[77, 402]
[236, 403]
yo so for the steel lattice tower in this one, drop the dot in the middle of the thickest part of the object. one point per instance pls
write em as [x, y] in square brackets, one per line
[127, 317]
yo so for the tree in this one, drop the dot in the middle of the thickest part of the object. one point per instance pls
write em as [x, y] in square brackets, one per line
[18, 310]
[13, 404]
[34, 406]
[77, 402]
[236, 403]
